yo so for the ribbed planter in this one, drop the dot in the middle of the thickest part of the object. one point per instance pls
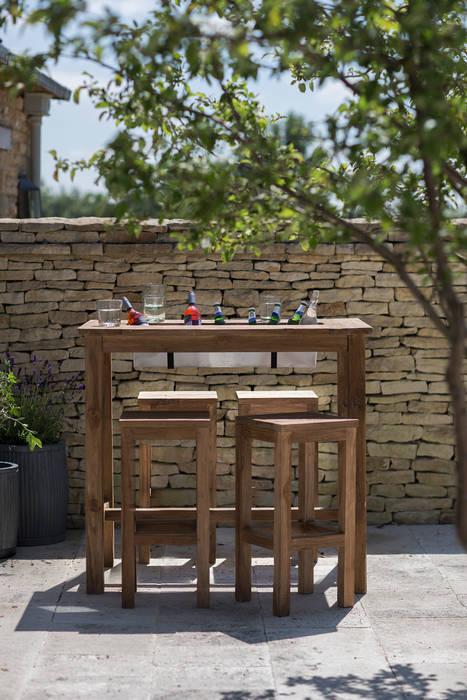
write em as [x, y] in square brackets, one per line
[43, 490]
[9, 508]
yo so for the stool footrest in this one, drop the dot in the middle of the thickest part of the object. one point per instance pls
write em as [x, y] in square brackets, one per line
[219, 514]
[164, 532]
[305, 535]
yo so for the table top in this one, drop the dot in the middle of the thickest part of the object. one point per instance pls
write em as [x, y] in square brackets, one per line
[343, 326]
[329, 334]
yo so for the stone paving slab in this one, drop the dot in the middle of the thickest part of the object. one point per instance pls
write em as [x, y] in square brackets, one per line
[406, 638]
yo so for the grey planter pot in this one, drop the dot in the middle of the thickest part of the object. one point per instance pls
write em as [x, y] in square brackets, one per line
[9, 508]
[43, 492]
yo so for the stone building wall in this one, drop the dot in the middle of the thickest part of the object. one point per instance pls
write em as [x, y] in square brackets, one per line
[16, 159]
[52, 272]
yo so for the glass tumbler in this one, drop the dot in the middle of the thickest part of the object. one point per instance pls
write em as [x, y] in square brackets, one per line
[154, 302]
[109, 312]
[266, 305]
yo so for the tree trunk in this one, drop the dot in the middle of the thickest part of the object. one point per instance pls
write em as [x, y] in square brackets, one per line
[455, 380]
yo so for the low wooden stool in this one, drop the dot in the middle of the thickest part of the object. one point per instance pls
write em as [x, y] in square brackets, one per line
[176, 401]
[171, 526]
[294, 401]
[307, 533]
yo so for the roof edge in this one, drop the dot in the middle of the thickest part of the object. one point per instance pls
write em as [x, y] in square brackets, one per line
[54, 89]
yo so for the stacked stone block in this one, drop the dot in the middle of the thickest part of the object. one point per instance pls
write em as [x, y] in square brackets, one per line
[52, 271]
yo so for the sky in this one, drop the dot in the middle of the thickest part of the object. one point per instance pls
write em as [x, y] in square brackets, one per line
[75, 132]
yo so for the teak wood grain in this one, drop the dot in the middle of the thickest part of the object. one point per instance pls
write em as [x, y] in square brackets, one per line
[285, 402]
[343, 336]
[306, 534]
[136, 426]
[187, 401]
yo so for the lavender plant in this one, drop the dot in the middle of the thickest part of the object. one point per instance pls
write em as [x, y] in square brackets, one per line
[41, 397]
[10, 413]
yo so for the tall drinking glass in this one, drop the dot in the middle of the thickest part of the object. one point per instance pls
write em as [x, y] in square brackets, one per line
[154, 302]
[266, 305]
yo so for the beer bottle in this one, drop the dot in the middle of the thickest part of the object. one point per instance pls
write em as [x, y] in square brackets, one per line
[218, 315]
[251, 315]
[135, 318]
[297, 316]
[192, 315]
[276, 313]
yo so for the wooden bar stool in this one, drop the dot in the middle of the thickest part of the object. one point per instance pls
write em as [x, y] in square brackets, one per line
[307, 533]
[171, 526]
[295, 401]
[176, 401]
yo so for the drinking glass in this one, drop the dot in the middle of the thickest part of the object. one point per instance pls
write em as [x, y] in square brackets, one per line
[154, 302]
[109, 312]
[266, 305]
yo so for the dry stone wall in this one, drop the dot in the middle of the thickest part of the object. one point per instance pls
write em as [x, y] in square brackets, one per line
[52, 271]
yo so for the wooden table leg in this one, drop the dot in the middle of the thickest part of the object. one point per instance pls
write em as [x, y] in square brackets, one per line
[242, 513]
[129, 583]
[357, 406]
[204, 449]
[346, 496]
[351, 400]
[94, 475]
[282, 526]
[212, 479]
[107, 456]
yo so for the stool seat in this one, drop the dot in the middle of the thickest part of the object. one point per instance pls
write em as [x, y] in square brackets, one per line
[272, 402]
[303, 427]
[177, 400]
[149, 419]
[306, 534]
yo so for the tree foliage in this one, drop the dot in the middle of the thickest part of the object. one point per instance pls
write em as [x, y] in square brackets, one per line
[181, 90]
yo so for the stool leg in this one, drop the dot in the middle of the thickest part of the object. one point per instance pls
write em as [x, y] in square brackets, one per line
[128, 522]
[144, 492]
[243, 514]
[282, 526]
[307, 497]
[212, 471]
[346, 495]
[203, 480]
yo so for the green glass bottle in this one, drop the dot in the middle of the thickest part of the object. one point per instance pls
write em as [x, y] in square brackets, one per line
[276, 313]
[252, 315]
[297, 316]
[218, 315]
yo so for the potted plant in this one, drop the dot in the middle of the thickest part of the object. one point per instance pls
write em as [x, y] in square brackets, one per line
[34, 441]
[10, 414]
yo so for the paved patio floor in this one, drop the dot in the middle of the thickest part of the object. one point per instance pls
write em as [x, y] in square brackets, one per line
[406, 638]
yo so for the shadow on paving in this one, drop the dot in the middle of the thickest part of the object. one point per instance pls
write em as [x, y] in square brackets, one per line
[169, 606]
[402, 683]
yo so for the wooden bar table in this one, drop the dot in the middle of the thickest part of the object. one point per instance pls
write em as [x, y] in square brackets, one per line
[344, 336]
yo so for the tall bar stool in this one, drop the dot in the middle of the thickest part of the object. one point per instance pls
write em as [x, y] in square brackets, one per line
[169, 401]
[172, 526]
[307, 534]
[295, 401]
